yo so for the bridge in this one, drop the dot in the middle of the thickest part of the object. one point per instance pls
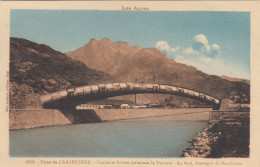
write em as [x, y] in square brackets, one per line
[83, 94]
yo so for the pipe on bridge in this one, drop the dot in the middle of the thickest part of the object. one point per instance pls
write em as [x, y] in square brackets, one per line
[99, 91]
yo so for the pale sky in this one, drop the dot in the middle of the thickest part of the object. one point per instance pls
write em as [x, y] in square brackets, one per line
[213, 42]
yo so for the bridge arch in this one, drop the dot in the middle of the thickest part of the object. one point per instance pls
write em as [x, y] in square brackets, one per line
[83, 94]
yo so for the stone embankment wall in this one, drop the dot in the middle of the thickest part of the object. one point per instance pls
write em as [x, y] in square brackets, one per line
[118, 114]
[23, 119]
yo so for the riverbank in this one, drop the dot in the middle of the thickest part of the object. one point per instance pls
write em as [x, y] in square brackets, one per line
[26, 119]
[228, 137]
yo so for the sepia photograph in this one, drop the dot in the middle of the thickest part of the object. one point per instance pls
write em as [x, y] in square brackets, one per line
[129, 83]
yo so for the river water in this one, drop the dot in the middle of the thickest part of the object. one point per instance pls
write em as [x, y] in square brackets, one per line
[145, 138]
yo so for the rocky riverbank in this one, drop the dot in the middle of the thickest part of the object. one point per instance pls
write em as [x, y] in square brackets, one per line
[201, 144]
[228, 137]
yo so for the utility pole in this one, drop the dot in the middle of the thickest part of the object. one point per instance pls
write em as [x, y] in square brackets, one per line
[135, 93]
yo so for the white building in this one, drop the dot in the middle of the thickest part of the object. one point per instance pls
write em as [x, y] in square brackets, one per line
[92, 106]
[185, 105]
[125, 106]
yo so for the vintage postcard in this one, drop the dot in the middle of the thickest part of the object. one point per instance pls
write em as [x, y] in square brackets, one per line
[129, 83]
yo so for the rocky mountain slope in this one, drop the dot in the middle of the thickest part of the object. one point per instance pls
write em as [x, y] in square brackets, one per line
[130, 64]
[37, 69]
[235, 79]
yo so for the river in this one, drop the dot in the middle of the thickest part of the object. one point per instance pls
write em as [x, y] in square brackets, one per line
[153, 137]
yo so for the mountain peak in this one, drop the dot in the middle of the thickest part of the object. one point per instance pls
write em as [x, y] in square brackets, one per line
[94, 40]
